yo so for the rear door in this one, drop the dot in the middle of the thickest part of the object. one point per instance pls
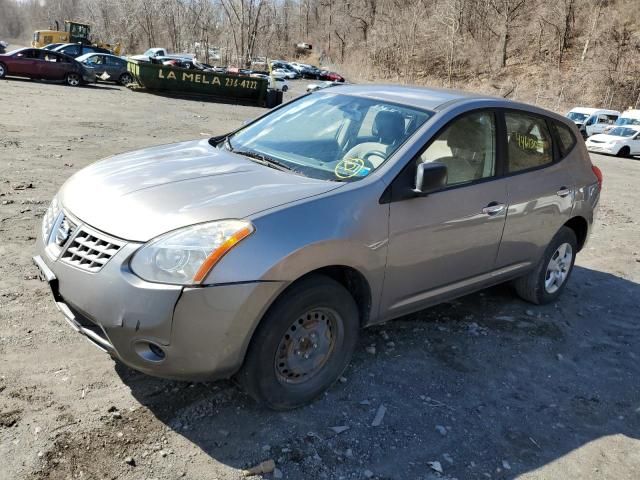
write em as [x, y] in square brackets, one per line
[448, 240]
[540, 188]
[53, 66]
[635, 144]
[603, 121]
[115, 67]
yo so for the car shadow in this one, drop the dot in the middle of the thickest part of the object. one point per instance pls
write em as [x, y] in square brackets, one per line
[197, 97]
[98, 86]
[484, 385]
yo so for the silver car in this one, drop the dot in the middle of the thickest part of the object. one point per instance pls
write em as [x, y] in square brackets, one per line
[262, 253]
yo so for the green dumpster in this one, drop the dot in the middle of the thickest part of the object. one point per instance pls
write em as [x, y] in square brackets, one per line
[177, 80]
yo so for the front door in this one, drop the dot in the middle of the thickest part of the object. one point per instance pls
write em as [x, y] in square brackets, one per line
[446, 241]
[25, 63]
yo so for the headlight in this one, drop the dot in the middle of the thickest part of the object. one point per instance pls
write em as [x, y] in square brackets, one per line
[50, 217]
[187, 255]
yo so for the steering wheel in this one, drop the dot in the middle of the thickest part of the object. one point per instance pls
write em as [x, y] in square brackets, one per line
[373, 153]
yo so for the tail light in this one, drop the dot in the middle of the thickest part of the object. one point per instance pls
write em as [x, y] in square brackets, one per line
[598, 175]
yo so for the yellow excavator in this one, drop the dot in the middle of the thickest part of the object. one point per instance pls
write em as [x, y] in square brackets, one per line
[74, 32]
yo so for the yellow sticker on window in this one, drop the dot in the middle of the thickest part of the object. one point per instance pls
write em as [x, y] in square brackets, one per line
[351, 167]
[527, 142]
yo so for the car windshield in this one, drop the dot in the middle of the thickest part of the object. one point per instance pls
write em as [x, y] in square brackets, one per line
[627, 121]
[577, 117]
[149, 53]
[622, 132]
[328, 136]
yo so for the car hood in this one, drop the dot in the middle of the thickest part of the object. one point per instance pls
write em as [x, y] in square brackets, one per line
[139, 195]
[604, 138]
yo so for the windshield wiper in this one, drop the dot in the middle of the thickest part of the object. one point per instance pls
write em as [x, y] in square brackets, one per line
[263, 159]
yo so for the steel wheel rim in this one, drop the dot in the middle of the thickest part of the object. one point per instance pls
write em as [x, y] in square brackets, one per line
[1, 71]
[558, 268]
[126, 78]
[306, 346]
[73, 79]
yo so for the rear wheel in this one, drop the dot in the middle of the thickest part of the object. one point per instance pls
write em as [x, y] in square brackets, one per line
[125, 79]
[3, 70]
[73, 79]
[624, 152]
[285, 88]
[546, 282]
[302, 345]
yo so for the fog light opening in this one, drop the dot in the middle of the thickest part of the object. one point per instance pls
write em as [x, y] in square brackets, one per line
[150, 351]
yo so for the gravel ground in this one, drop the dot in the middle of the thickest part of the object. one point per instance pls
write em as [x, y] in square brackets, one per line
[483, 387]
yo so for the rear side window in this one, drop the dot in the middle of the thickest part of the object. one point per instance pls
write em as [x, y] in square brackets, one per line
[566, 139]
[528, 141]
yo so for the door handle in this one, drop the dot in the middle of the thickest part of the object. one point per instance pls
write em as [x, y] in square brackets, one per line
[493, 208]
[563, 192]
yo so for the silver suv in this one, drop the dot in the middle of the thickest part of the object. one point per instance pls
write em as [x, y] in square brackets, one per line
[263, 252]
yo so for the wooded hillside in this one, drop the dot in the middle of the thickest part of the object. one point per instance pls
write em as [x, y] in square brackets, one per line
[556, 53]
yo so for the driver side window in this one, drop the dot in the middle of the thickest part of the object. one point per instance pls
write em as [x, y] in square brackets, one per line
[467, 147]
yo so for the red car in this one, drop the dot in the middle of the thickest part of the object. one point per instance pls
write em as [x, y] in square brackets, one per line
[44, 64]
[332, 76]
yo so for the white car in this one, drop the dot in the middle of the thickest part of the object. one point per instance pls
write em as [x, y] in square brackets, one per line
[592, 120]
[282, 73]
[621, 141]
[279, 84]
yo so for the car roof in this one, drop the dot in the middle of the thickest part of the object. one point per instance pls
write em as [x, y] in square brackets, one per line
[421, 97]
[91, 54]
[590, 110]
[631, 114]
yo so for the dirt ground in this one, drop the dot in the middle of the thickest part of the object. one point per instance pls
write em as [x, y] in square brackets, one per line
[483, 387]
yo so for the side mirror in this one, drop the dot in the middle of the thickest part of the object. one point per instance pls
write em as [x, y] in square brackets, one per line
[430, 177]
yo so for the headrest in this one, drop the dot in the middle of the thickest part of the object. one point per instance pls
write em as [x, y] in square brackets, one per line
[389, 126]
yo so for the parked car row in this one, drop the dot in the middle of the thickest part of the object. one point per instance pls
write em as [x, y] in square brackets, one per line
[293, 70]
[608, 131]
[44, 64]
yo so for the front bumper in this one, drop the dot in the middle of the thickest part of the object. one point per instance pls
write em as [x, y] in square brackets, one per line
[602, 148]
[202, 333]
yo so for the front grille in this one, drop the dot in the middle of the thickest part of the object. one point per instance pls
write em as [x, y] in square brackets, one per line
[90, 250]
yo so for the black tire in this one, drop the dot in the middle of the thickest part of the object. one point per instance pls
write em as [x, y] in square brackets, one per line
[285, 88]
[624, 152]
[3, 70]
[125, 79]
[73, 79]
[531, 287]
[260, 375]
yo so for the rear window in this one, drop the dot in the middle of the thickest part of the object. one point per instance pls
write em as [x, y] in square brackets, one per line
[528, 140]
[566, 139]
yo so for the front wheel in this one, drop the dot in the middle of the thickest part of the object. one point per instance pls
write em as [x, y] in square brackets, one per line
[3, 70]
[302, 345]
[547, 281]
[125, 79]
[285, 88]
[73, 79]
[624, 152]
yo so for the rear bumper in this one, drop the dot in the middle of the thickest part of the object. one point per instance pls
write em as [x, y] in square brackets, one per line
[201, 333]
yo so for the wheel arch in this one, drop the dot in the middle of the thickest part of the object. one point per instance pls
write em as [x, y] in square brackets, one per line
[580, 227]
[350, 278]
